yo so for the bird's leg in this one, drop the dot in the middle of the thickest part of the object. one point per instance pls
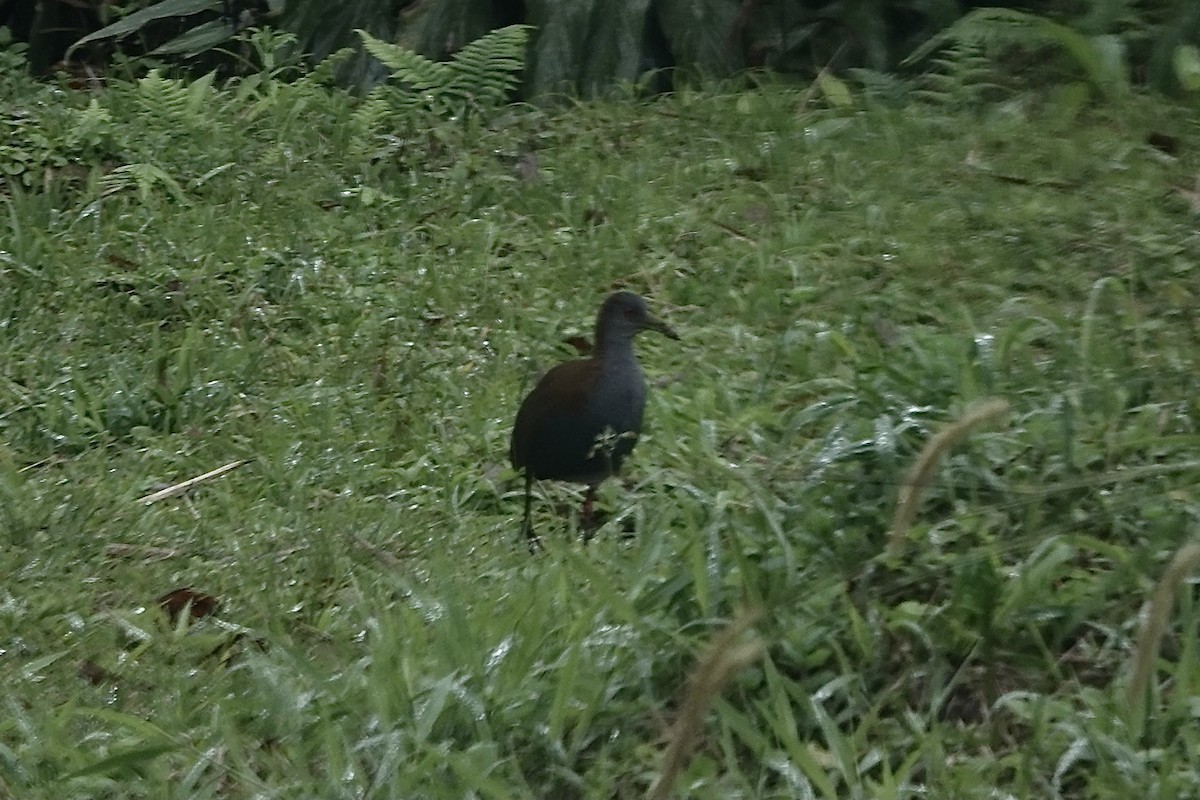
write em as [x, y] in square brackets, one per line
[587, 516]
[532, 540]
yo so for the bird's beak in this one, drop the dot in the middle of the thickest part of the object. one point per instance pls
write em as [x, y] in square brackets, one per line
[652, 323]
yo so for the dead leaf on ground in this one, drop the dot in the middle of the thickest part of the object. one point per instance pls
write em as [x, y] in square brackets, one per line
[201, 605]
[93, 673]
[1164, 142]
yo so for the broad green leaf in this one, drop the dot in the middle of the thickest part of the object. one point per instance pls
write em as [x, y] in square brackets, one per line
[197, 40]
[835, 90]
[139, 19]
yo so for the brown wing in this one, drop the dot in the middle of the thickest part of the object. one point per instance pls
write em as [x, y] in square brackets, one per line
[562, 392]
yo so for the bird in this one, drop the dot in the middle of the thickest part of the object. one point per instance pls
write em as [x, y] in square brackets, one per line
[583, 417]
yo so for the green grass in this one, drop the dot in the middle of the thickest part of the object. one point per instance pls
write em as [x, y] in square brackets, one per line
[358, 317]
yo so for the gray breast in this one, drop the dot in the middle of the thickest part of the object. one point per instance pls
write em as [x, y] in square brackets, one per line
[619, 398]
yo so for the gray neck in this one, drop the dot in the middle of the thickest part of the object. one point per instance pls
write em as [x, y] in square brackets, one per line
[621, 389]
[614, 350]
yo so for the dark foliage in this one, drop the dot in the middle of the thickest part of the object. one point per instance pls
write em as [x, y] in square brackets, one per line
[579, 46]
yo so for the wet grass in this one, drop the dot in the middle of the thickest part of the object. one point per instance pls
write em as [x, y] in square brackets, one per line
[356, 318]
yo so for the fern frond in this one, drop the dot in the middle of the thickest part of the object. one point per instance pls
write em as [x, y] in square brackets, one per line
[161, 96]
[324, 73]
[91, 126]
[376, 111]
[179, 106]
[142, 177]
[408, 66]
[480, 76]
[962, 75]
[1008, 28]
[490, 67]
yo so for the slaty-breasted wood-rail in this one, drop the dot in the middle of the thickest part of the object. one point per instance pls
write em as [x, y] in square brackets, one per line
[583, 417]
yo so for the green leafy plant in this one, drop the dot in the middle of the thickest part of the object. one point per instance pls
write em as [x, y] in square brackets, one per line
[202, 37]
[480, 76]
[961, 75]
[43, 144]
[1101, 59]
[144, 178]
[14, 60]
[182, 106]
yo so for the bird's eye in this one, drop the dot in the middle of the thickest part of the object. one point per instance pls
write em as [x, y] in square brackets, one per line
[631, 313]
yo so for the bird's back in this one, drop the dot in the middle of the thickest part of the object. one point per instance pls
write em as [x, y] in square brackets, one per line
[559, 424]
